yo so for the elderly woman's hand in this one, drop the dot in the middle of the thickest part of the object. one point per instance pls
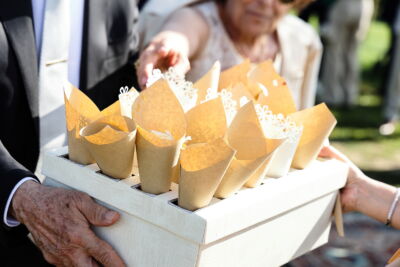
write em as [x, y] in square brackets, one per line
[168, 49]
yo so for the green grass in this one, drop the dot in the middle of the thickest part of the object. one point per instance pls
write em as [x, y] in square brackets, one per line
[375, 45]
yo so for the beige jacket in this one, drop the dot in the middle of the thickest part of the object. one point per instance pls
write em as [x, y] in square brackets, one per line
[301, 51]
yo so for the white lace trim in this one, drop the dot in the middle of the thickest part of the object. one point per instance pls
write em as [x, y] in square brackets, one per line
[126, 100]
[277, 126]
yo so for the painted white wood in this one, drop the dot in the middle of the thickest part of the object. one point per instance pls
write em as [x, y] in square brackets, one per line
[264, 226]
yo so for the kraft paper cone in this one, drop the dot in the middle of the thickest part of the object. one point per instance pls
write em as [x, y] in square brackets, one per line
[277, 96]
[318, 123]
[246, 136]
[206, 122]
[338, 214]
[257, 177]
[237, 175]
[395, 257]
[208, 82]
[126, 100]
[111, 142]
[79, 112]
[161, 133]
[260, 173]
[240, 94]
[157, 160]
[202, 168]
[234, 75]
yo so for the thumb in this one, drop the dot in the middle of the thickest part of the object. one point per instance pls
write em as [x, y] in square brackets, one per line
[182, 64]
[96, 214]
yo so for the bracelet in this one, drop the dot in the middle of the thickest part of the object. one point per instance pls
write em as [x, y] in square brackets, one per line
[393, 207]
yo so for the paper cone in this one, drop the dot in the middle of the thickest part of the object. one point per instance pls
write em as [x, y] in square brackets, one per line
[111, 142]
[246, 136]
[279, 98]
[202, 168]
[318, 123]
[240, 94]
[338, 215]
[113, 109]
[234, 75]
[157, 159]
[126, 100]
[237, 175]
[260, 173]
[395, 257]
[281, 161]
[206, 122]
[158, 112]
[79, 112]
[258, 176]
[208, 82]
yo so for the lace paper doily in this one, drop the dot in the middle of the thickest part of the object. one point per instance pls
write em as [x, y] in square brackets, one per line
[126, 100]
[277, 126]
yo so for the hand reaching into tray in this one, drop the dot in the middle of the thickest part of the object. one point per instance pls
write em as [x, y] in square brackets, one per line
[366, 195]
[59, 221]
[166, 50]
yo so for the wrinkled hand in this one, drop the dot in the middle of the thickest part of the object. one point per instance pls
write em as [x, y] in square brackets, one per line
[59, 221]
[169, 49]
[349, 194]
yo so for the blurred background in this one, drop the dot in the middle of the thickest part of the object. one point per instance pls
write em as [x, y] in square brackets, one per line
[359, 135]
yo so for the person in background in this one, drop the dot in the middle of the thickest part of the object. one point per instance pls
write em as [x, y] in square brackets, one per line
[318, 8]
[42, 44]
[348, 24]
[391, 103]
[196, 36]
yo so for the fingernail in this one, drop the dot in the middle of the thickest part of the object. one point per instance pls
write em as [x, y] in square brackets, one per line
[143, 81]
[110, 215]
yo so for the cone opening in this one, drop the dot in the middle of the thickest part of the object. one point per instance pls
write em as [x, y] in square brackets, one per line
[107, 176]
[139, 188]
[174, 202]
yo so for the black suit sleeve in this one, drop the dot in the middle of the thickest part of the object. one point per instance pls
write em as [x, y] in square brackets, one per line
[11, 172]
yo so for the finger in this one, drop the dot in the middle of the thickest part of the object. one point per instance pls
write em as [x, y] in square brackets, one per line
[147, 72]
[96, 214]
[163, 50]
[82, 258]
[101, 251]
[331, 152]
[47, 251]
[183, 65]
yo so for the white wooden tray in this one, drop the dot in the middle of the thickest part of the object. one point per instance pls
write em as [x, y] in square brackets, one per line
[264, 226]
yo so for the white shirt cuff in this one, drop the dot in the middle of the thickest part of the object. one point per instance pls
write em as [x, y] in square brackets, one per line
[11, 222]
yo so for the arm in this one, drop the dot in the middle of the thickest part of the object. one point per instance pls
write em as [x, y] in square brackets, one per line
[364, 194]
[58, 219]
[180, 39]
[310, 80]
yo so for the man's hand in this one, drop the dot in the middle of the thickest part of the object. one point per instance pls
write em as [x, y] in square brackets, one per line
[59, 221]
